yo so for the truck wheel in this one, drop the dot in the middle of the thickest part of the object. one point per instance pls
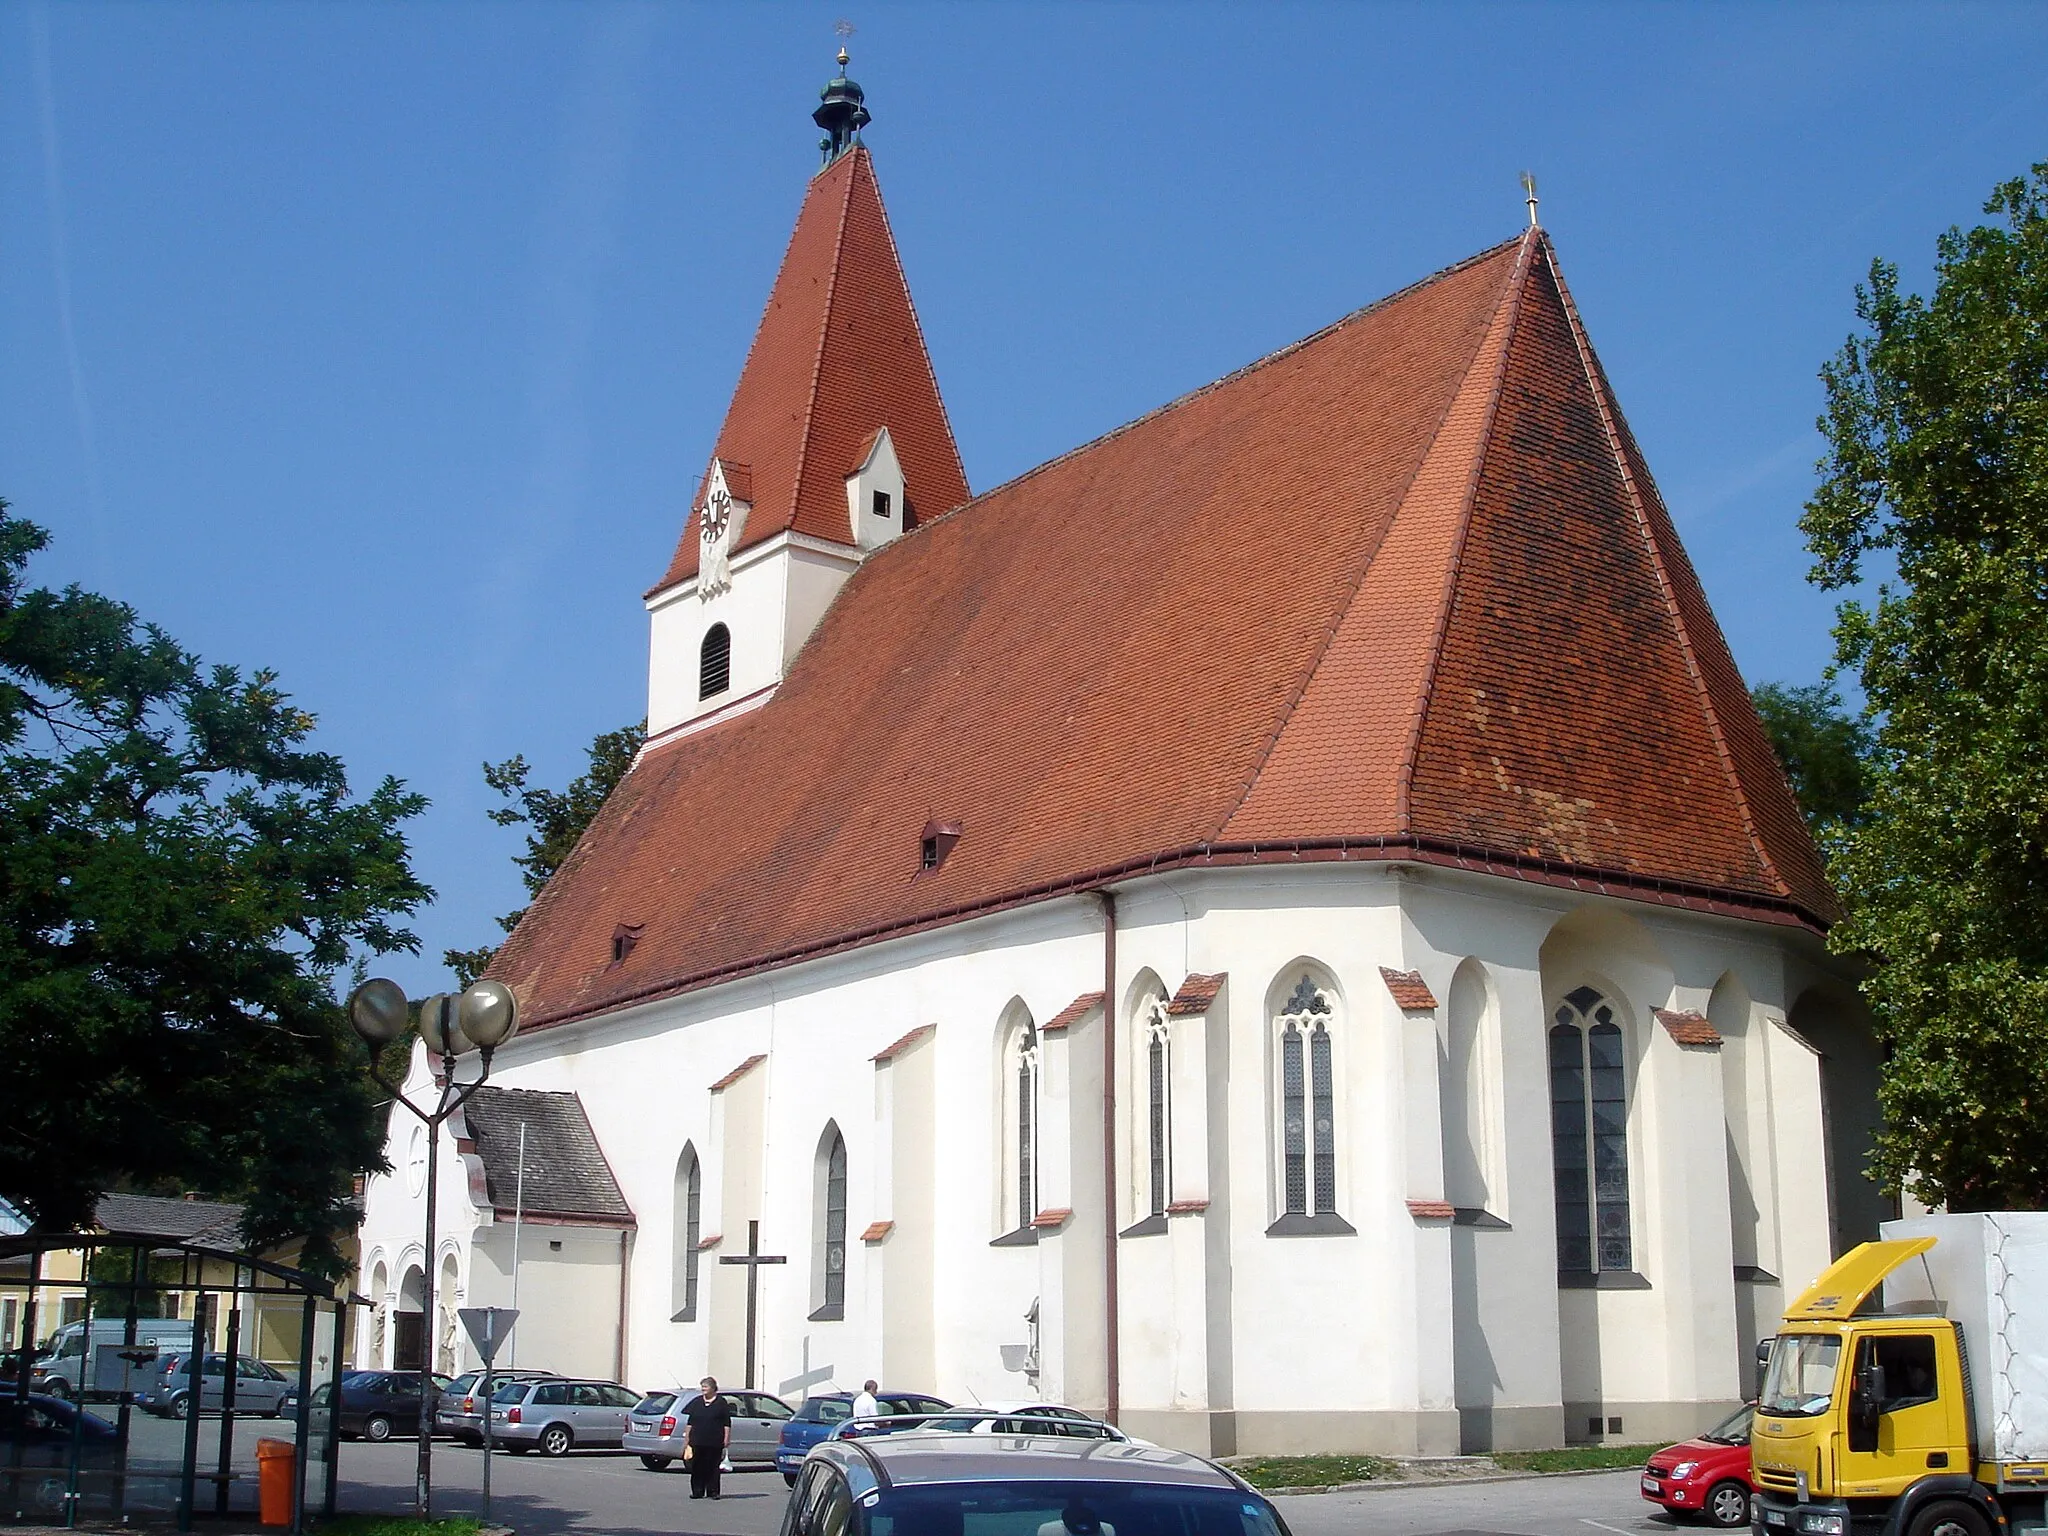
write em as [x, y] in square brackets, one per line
[1727, 1504]
[655, 1463]
[1949, 1517]
[376, 1427]
[57, 1387]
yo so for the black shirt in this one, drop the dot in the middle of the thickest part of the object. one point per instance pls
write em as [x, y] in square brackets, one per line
[710, 1423]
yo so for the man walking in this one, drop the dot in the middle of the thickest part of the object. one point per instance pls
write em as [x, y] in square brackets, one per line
[705, 1440]
[865, 1405]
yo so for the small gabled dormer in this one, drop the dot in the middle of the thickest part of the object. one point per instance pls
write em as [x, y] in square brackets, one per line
[876, 505]
[728, 497]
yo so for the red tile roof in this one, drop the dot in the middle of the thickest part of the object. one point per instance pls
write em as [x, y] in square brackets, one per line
[1688, 1027]
[1196, 994]
[1401, 590]
[1432, 1210]
[838, 356]
[1073, 1013]
[1408, 988]
[876, 1231]
[898, 1046]
[738, 1072]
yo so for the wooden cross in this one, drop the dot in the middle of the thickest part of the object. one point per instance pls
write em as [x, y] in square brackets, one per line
[753, 1258]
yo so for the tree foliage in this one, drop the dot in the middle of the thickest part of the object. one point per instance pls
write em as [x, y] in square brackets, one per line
[556, 820]
[1937, 425]
[1824, 750]
[182, 880]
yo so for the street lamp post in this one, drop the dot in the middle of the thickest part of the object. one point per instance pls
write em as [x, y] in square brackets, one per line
[482, 1018]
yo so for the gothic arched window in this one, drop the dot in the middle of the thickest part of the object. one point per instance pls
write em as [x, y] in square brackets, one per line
[714, 662]
[1589, 1135]
[689, 1224]
[1158, 1150]
[830, 1287]
[1306, 1122]
[1017, 1192]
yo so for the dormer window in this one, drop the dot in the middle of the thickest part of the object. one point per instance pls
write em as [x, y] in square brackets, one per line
[876, 494]
[714, 662]
[935, 843]
[883, 504]
[624, 937]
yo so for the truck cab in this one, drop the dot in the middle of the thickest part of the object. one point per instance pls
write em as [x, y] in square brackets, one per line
[1865, 1423]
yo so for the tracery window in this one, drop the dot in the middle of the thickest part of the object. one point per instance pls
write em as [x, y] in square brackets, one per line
[1027, 1124]
[1589, 1135]
[831, 1227]
[1158, 1147]
[689, 1223]
[1307, 1110]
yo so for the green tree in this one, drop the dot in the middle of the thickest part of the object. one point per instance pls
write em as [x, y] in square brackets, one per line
[182, 881]
[1937, 425]
[1823, 748]
[556, 820]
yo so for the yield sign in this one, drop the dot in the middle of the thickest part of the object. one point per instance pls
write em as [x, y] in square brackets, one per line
[488, 1327]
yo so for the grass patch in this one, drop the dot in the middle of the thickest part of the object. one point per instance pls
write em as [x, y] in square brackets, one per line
[397, 1525]
[1575, 1458]
[1311, 1471]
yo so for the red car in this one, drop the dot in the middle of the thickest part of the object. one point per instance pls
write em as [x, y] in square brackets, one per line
[1705, 1476]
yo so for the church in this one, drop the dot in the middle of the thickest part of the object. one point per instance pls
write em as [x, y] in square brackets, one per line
[1280, 925]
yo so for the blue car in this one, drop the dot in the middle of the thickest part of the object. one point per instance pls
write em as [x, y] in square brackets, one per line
[814, 1421]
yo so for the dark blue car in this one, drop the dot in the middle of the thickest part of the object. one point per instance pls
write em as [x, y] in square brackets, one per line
[814, 1421]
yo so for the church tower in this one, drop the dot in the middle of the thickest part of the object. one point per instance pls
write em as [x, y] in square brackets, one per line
[835, 444]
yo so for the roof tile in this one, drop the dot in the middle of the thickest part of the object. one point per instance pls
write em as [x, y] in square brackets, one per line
[1410, 991]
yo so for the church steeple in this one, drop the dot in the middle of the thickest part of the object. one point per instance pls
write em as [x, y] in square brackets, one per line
[835, 444]
[842, 113]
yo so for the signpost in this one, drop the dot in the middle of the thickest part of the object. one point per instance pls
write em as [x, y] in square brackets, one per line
[487, 1328]
[753, 1258]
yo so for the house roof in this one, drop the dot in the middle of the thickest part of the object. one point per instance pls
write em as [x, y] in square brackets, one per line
[838, 356]
[1402, 590]
[178, 1220]
[564, 1170]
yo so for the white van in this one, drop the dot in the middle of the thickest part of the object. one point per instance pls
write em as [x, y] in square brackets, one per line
[63, 1372]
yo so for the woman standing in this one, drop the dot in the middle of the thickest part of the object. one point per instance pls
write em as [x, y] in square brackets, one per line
[704, 1442]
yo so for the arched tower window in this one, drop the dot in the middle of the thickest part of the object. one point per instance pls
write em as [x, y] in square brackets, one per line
[689, 1223]
[1589, 1135]
[714, 662]
[1306, 1120]
[830, 1227]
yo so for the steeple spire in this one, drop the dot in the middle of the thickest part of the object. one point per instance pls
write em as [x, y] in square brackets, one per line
[842, 110]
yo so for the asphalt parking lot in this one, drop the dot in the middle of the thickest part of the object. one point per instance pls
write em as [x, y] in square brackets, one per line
[598, 1491]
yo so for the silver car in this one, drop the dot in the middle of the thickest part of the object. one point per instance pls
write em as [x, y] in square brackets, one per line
[459, 1411]
[559, 1416]
[655, 1428]
[259, 1390]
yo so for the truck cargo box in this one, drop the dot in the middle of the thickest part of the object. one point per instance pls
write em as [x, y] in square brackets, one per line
[1990, 1269]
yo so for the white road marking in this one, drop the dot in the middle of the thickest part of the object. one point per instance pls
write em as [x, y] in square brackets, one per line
[1617, 1530]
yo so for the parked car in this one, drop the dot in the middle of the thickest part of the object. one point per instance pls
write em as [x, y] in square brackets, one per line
[655, 1427]
[1708, 1475]
[167, 1390]
[998, 1418]
[559, 1416]
[35, 1449]
[63, 1369]
[374, 1404]
[460, 1411]
[928, 1482]
[814, 1421]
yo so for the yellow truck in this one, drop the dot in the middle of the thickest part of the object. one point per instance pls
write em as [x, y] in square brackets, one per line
[1920, 1411]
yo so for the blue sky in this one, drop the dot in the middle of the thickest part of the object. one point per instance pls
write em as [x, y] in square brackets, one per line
[383, 344]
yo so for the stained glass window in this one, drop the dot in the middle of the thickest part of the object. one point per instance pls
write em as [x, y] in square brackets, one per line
[835, 1225]
[1308, 1110]
[1589, 1135]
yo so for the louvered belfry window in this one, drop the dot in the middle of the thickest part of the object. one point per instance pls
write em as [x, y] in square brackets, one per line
[1589, 1135]
[714, 662]
[1308, 1111]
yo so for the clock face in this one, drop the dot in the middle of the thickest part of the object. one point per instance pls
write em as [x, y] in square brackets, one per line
[717, 514]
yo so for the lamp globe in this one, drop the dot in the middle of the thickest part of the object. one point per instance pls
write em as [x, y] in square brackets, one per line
[377, 1012]
[488, 1013]
[440, 1028]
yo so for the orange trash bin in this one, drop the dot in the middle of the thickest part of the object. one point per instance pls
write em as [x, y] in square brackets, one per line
[277, 1468]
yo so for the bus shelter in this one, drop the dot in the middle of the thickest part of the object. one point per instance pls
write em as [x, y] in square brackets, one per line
[124, 1433]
